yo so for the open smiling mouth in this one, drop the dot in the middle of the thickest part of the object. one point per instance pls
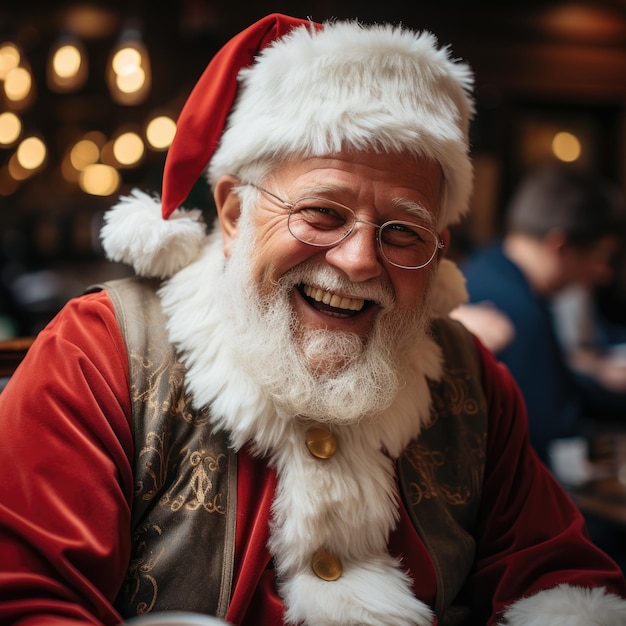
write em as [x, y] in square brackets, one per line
[332, 304]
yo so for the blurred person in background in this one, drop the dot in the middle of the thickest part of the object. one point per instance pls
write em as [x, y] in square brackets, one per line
[563, 228]
[594, 343]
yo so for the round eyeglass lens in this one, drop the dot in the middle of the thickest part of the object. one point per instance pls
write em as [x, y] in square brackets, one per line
[407, 245]
[320, 222]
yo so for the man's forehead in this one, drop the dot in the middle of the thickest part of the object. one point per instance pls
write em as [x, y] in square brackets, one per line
[336, 171]
[395, 181]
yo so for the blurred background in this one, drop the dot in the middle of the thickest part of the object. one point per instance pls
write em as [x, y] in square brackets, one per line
[90, 91]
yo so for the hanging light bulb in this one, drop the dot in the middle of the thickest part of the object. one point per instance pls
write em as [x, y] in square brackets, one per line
[67, 65]
[160, 131]
[128, 149]
[9, 58]
[10, 128]
[128, 74]
[566, 147]
[29, 158]
[19, 87]
[16, 78]
[31, 153]
[99, 180]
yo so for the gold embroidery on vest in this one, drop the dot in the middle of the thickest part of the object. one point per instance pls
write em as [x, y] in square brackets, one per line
[426, 462]
[441, 472]
[139, 578]
[200, 484]
[455, 396]
[183, 511]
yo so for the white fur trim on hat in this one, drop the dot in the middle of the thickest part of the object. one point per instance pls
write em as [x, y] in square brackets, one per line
[382, 87]
[135, 233]
[566, 605]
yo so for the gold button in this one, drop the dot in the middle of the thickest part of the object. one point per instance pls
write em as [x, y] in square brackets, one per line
[326, 565]
[321, 443]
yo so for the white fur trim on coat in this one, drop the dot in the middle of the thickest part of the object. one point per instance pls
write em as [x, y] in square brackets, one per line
[566, 605]
[135, 233]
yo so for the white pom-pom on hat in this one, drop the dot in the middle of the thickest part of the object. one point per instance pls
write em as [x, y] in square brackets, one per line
[135, 233]
[154, 236]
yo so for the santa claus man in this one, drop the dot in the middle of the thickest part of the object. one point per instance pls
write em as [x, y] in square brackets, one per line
[275, 422]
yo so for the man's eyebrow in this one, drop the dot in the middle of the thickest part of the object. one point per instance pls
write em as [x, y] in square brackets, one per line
[416, 210]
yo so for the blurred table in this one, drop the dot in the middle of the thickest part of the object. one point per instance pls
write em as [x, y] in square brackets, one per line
[604, 495]
[604, 498]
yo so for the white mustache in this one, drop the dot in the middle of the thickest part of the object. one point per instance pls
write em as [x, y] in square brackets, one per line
[328, 279]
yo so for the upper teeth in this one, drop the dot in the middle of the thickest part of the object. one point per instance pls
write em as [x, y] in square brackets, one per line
[338, 302]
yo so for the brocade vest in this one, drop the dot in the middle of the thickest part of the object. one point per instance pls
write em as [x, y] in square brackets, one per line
[184, 506]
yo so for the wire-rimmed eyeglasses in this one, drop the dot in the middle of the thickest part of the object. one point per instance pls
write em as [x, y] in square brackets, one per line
[325, 223]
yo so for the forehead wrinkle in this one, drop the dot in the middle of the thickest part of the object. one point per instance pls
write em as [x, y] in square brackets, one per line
[321, 190]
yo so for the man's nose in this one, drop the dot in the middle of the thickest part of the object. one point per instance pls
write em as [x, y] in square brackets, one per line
[358, 255]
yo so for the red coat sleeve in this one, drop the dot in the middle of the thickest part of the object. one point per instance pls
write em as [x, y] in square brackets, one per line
[531, 536]
[66, 477]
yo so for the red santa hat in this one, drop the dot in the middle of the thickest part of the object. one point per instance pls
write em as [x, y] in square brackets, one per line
[287, 86]
[203, 118]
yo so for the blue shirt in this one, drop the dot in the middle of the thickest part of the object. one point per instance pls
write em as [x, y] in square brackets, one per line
[534, 356]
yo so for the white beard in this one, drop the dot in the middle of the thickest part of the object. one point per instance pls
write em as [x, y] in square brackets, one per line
[348, 503]
[326, 375]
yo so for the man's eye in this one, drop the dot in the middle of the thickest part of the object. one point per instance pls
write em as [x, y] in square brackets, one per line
[321, 216]
[320, 209]
[402, 234]
[399, 227]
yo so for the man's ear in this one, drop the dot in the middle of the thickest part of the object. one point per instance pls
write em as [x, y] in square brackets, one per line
[228, 210]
